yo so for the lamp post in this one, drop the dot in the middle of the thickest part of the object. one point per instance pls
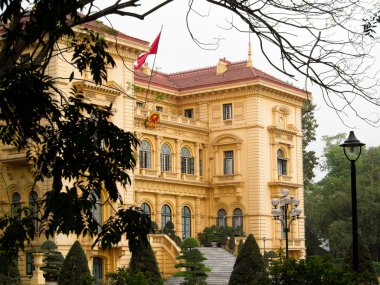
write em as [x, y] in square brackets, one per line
[352, 148]
[286, 211]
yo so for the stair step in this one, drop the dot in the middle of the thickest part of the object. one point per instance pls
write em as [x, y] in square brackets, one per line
[219, 261]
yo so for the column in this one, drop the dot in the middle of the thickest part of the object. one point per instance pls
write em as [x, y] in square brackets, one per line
[158, 211]
[178, 156]
[216, 161]
[238, 158]
[196, 161]
[198, 213]
[157, 154]
[178, 217]
[291, 159]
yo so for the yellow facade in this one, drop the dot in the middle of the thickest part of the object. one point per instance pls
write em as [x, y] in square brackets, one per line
[227, 146]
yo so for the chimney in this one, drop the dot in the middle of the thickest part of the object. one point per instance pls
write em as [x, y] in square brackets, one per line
[222, 66]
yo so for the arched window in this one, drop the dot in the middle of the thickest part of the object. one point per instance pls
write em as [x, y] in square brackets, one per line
[187, 161]
[166, 158]
[186, 222]
[237, 221]
[146, 209]
[221, 220]
[33, 205]
[166, 215]
[97, 270]
[281, 163]
[16, 205]
[145, 155]
[97, 212]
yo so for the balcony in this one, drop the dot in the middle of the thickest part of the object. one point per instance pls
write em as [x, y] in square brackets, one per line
[169, 174]
[148, 172]
[171, 118]
[10, 153]
[225, 180]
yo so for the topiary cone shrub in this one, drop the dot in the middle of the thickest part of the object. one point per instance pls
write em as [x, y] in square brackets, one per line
[75, 268]
[249, 265]
[143, 260]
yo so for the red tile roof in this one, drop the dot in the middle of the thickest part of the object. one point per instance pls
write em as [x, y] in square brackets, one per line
[100, 27]
[205, 77]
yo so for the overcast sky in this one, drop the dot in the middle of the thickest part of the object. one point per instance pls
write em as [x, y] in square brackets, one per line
[178, 52]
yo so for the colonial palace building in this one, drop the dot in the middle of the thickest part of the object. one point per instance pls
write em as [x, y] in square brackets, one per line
[217, 144]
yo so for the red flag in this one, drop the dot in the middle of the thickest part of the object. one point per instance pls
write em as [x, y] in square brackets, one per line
[152, 50]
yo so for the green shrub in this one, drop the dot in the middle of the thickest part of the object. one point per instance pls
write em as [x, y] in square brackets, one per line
[144, 261]
[154, 227]
[189, 243]
[169, 231]
[9, 273]
[195, 271]
[249, 265]
[75, 267]
[312, 270]
[365, 268]
[231, 244]
[240, 245]
[125, 276]
[53, 261]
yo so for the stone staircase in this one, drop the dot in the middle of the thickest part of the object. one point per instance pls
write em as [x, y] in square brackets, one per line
[219, 261]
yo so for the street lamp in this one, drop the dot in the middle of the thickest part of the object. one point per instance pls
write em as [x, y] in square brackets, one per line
[286, 211]
[352, 148]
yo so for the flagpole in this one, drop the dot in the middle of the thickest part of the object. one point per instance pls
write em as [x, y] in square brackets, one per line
[151, 74]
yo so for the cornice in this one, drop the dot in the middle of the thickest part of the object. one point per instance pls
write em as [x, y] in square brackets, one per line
[285, 184]
[85, 85]
[255, 87]
[275, 129]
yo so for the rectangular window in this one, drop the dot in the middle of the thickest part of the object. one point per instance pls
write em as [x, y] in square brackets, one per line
[281, 166]
[159, 109]
[144, 159]
[227, 111]
[166, 162]
[189, 113]
[29, 263]
[228, 162]
[139, 104]
[187, 165]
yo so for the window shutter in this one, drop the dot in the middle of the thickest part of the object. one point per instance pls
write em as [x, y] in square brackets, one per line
[169, 163]
[183, 165]
[192, 165]
[162, 163]
[148, 160]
